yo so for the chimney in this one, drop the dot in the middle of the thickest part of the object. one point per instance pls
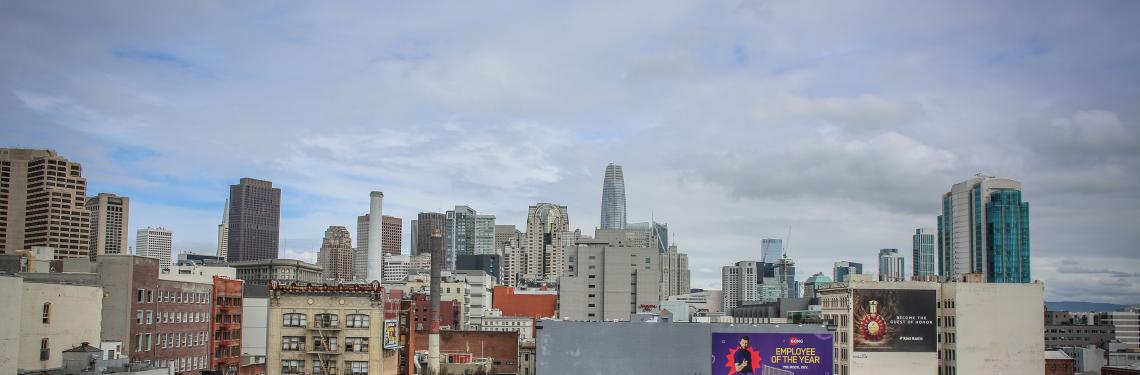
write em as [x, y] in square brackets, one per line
[375, 236]
[433, 360]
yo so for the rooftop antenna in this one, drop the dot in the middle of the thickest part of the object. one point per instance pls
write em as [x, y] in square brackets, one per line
[788, 241]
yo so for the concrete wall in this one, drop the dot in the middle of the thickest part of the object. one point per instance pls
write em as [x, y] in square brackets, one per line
[74, 319]
[637, 348]
[998, 327]
[254, 313]
[11, 291]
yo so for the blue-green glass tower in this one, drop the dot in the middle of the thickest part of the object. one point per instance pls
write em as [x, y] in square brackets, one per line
[984, 230]
[1007, 231]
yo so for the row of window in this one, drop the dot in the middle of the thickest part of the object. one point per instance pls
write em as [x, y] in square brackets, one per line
[143, 341]
[184, 363]
[324, 320]
[297, 366]
[148, 317]
[147, 296]
[325, 344]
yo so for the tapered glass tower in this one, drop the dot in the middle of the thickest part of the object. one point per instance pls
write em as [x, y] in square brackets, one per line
[613, 198]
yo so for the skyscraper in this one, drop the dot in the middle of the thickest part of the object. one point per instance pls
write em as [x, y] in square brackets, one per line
[485, 235]
[392, 242]
[785, 272]
[547, 237]
[924, 259]
[466, 232]
[674, 273]
[255, 219]
[613, 198]
[512, 245]
[336, 257]
[891, 265]
[844, 268]
[654, 234]
[42, 198]
[155, 243]
[223, 232]
[739, 282]
[425, 223]
[109, 223]
[771, 250]
[984, 229]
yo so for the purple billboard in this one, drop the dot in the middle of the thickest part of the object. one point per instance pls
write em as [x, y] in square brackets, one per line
[771, 353]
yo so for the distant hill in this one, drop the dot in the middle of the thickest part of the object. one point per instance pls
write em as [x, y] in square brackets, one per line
[1082, 306]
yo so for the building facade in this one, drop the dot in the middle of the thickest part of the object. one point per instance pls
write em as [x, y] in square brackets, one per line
[226, 325]
[511, 243]
[42, 203]
[157, 243]
[924, 256]
[613, 198]
[674, 272]
[891, 265]
[548, 236]
[984, 229]
[739, 282]
[261, 272]
[842, 269]
[336, 257]
[427, 222]
[109, 222]
[991, 328]
[224, 232]
[1127, 325]
[771, 250]
[49, 313]
[606, 282]
[325, 329]
[392, 243]
[254, 221]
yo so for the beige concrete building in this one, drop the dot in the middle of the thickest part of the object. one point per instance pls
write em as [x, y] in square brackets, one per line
[325, 329]
[45, 314]
[674, 272]
[42, 198]
[510, 243]
[109, 224]
[157, 243]
[547, 237]
[992, 328]
[392, 242]
[605, 281]
[336, 255]
[261, 272]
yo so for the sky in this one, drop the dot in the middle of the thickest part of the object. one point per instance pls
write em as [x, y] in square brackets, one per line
[841, 123]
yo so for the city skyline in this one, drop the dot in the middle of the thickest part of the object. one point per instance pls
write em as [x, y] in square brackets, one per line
[864, 123]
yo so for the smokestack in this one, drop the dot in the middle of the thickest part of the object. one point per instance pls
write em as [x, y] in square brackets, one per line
[433, 359]
[375, 236]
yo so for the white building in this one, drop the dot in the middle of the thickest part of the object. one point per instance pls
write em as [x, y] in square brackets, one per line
[496, 322]
[739, 284]
[706, 301]
[674, 272]
[479, 297]
[45, 314]
[606, 282]
[484, 234]
[395, 268]
[892, 265]
[1089, 359]
[1127, 324]
[155, 243]
[992, 328]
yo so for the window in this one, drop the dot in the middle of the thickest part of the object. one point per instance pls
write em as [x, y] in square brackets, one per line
[45, 350]
[139, 296]
[292, 366]
[149, 296]
[357, 368]
[149, 317]
[325, 321]
[47, 313]
[293, 320]
[326, 344]
[138, 316]
[356, 321]
[292, 343]
[356, 344]
[147, 339]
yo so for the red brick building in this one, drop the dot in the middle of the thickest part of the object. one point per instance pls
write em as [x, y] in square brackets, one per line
[448, 313]
[512, 303]
[225, 348]
[501, 347]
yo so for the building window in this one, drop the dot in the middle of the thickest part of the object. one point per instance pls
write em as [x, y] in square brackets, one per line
[47, 313]
[147, 339]
[149, 296]
[139, 296]
[357, 368]
[326, 321]
[292, 343]
[356, 344]
[138, 317]
[324, 344]
[294, 320]
[45, 350]
[357, 321]
[292, 366]
[149, 317]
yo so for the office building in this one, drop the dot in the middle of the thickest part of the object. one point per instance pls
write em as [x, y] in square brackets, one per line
[607, 282]
[674, 272]
[467, 233]
[261, 272]
[325, 329]
[845, 268]
[424, 225]
[192, 259]
[1127, 325]
[478, 296]
[484, 235]
[651, 232]
[255, 220]
[157, 243]
[613, 198]
[1076, 329]
[924, 257]
[511, 243]
[771, 250]
[548, 235]
[814, 283]
[891, 265]
[785, 274]
[42, 203]
[109, 223]
[224, 232]
[393, 241]
[490, 263]
[396, 268]
[739, 283]
[336, 255]
[44, 315]
[496, 322]
[984, 229]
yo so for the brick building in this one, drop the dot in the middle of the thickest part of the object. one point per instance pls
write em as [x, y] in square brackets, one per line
[501, 348]
[537, 305]
[225, 346]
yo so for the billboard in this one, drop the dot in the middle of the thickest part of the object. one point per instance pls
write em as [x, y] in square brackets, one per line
[894, 320]
[771, 353]
[391, 336]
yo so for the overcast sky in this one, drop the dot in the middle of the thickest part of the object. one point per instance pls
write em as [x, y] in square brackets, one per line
[734, 120]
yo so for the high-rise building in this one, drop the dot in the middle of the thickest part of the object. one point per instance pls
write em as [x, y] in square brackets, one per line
[336, 257]
[925, 257]
[156, 243]
[739, 283]
[613, 198]
[844, 268]
[42, 198]
[651, 232]
[547, 237]
[425, 223]
[603, 281]
[484, 235]
[224, 232]
[984, 229]
[891, 265]
[674, 273]
[1127, 325]
[109, 217]
[467, 233]
[785, 272]
[392, 241]
[255, 220]
[771, 250]
[512, 245]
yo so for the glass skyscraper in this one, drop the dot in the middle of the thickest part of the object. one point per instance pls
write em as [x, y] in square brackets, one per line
[771, 250]
[613, 198]
[924, 258]
[984, 229]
